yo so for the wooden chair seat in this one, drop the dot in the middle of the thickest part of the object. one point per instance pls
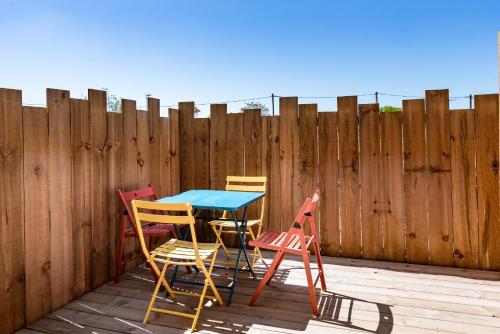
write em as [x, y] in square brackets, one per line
[230, 224]
[182, 250]
[273, 240]
[154, 230]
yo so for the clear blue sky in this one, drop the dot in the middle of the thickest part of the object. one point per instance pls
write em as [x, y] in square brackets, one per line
[210, 51]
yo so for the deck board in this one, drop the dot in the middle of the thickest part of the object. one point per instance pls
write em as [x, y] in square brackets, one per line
[364, 296]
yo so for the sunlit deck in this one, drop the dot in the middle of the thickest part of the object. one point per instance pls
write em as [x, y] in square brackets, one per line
[364, 296]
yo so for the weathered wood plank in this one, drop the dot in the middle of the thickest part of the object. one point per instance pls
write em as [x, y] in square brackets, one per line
[370, 173]
[252, 136]
[186, 138]
[218, 131]
[271, 169]
[60, 194]
[82, 208]
[487, 179]
[350, 219]
[165, 161]
[392, 208]
[115, 166]
[99, 178]
[154, 142]
[439, 180]
[144, 166]
[201, 128]
[464, 194]
[36, 212]
[289, 154]
[175, 168]
[328, 181]
[415, 181]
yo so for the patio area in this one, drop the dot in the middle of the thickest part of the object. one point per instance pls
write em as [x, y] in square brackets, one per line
[363, 297]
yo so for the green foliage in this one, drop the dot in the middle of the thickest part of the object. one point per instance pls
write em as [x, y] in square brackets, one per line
[390, 109]
[256, 105]
[113, 103]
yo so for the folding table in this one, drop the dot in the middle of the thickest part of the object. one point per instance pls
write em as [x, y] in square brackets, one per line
[230, 201]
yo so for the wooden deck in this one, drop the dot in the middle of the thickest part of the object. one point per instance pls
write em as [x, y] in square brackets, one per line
[364, 297]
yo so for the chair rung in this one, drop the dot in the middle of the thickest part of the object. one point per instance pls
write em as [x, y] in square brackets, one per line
[181, 314]
[183, 293]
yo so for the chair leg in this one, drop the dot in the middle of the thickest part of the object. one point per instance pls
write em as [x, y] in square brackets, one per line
[219, 239]
[119, 251]
[155, 293]
[281, 257]
[267, 277]
[310, 283]
[320, 266]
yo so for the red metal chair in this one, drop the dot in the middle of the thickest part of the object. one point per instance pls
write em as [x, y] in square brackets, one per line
[150, 230]
[294, 242]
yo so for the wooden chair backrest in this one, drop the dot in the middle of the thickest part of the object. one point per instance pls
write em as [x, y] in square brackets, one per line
[128, 196]
[248, 183]
[306, 213]
[163, 213]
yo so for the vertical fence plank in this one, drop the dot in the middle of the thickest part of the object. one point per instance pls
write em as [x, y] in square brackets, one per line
[165, 161]
[82, 209]
[144, 166]
[350, 220]
[307, 162]
[99, 177]
[415, 181]
[289, 154]
[201, 127]
[60, 193]
[235, 155]
[175, 166]
[115, 158]
[439, 182]
[154, 142]
[36, 212]
[252, 133]
[369, 137]
[464, 194]
[187, 164]
[487, 180]
[392, 206]
[271, 169]
[218, 163]
[12, 273]
[328, 178]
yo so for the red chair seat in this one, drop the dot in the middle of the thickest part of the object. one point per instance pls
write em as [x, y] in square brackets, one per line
[273, 240]
[153, 230]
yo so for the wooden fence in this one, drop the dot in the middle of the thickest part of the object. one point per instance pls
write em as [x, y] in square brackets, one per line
[419, 186]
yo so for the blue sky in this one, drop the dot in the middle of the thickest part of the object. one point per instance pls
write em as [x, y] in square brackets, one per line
[210, 51]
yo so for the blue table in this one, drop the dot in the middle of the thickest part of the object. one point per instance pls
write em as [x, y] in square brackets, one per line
[230, 201]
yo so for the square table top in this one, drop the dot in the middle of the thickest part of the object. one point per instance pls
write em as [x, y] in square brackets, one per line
[214, 199]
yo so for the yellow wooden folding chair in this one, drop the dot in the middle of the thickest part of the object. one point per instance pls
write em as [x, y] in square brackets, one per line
[242, 183]
[176, 252]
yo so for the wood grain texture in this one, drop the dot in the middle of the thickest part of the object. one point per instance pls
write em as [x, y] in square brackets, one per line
[415, 181]
[60, 194]
[81, 205]
[289, 153]
[439, 180]
[201, 128]
[252, 136]
[115, 181]
[350, 219]
[370, 177]
[218, 131]
[271, 169]
[328, 183]
[487, 180]
[392, 208]
[464, 194]
[186, 138]
[144, 167]
[99, 182]
[175, 178]
[36, 212]
[154, 142]
[165, 161]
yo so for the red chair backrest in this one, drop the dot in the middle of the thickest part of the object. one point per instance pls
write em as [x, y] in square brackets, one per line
[307, 212]
[128, 196]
